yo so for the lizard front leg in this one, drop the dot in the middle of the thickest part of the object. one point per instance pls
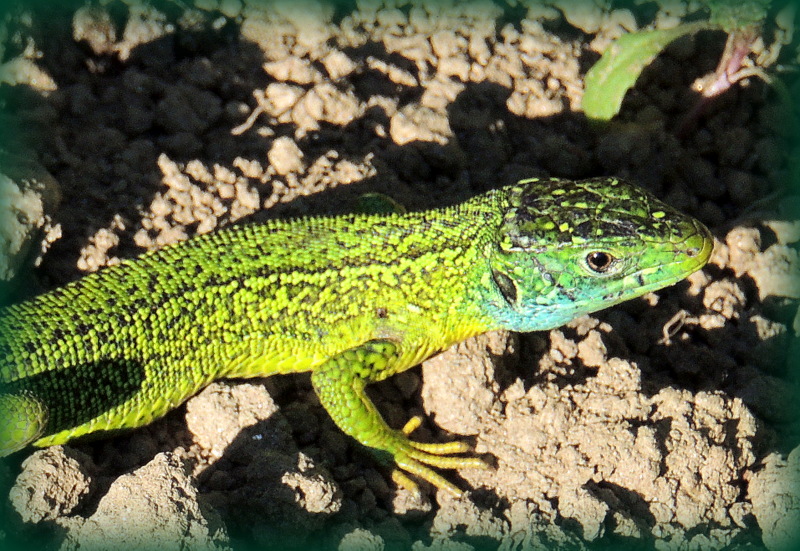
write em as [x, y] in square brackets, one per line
[340, 383]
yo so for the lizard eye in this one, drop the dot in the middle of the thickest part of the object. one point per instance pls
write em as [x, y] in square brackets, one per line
[599, 261]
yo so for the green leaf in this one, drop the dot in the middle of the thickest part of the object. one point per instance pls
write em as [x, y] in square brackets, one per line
[622, 63]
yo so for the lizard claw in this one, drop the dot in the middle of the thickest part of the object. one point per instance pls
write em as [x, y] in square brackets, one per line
[412, 425]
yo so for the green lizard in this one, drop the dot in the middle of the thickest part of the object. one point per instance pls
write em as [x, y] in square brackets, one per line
[354, 299]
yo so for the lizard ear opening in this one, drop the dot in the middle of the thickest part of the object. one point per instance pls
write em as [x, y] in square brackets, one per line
[506, 285]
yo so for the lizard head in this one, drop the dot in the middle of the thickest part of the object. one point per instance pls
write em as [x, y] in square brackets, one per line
[565, 249]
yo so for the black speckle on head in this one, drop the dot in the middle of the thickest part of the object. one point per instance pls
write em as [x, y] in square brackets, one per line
[381, 312]
[547, 211]
[624, 228]
[584, 229]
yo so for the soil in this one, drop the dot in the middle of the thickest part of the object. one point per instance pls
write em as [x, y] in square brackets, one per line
[669, 422]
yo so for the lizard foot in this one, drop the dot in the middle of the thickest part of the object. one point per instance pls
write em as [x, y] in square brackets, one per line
[417, 458]
[339, 384]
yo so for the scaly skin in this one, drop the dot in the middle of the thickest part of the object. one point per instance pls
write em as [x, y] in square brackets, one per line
[353, 299]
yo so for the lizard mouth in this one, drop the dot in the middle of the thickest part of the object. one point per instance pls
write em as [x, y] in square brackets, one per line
[685, 258]
[696, 248]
